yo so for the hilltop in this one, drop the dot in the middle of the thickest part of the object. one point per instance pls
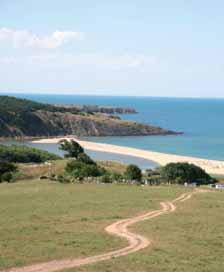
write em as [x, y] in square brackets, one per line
[26, 118]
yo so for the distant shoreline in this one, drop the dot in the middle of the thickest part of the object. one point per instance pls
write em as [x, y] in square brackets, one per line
[215, 167]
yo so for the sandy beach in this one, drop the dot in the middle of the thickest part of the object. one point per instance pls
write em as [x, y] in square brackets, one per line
[211, 166]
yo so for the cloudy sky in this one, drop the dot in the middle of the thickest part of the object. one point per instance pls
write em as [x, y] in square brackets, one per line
[119, 47]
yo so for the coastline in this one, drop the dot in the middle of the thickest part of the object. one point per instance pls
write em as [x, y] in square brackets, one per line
[214, 167]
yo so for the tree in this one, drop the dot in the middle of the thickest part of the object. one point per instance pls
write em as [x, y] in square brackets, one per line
[133, 172]
[6, 170]
[83, 157]
[185, 172]
[72, 148]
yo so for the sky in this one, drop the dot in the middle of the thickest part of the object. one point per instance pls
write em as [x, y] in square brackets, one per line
[120, 47]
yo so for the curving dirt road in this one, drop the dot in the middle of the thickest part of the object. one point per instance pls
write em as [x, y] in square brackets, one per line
[136, 242]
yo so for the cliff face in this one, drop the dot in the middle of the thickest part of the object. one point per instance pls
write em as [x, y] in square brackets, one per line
[43, 123]
[25, 118]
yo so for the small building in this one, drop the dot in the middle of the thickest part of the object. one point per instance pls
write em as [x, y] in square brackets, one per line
[219, 186]
[216, 186]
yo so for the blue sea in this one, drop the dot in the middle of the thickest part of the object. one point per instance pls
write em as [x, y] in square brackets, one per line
[200, 120]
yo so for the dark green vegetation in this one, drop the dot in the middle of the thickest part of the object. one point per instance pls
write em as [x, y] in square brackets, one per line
[185, 173]
[133, 172]
[80, 170]
[7, 170]
[25, 118]
[71, 148]
[81, 166]
[25, 154]
[78, 166]
[12, 104]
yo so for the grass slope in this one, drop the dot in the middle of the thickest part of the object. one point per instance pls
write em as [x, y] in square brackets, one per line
[189, 240]
[42, 221]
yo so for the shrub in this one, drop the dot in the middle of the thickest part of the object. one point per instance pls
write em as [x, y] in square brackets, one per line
[25, 154]
[6, 171]
[133, 172]
[106, 178]
[82, 170]
[63, 179]
[185, 172]
[117, 177]
[8, 177]
[44, 177]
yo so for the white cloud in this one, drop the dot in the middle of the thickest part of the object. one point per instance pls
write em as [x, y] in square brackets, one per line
[111, 62]
[24, 38]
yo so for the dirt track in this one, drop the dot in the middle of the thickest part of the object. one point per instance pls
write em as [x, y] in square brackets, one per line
[136, 242]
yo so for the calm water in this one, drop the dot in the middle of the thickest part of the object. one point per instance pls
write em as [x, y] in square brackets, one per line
[201, 120]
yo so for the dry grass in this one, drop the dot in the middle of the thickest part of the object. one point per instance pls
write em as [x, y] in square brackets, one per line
[34, 171]
[113, 166]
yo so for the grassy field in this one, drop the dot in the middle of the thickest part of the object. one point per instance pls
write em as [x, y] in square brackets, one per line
[42, 221]
[191, 239]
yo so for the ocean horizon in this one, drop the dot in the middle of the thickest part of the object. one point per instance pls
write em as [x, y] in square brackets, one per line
[199, 119]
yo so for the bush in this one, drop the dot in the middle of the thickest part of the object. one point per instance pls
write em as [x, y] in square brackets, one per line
[110, 177]
[106, 178]
[7, 177]
[63, 179]
[25, 154]
[133, 172]
[44, 177]
[6, 171]
[117, 177]
[82, 170]
[184, 172]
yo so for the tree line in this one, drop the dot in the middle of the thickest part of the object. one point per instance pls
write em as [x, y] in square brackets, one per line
[81, 167]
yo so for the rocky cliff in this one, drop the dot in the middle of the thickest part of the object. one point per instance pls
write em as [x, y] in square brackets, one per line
[28, 119]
